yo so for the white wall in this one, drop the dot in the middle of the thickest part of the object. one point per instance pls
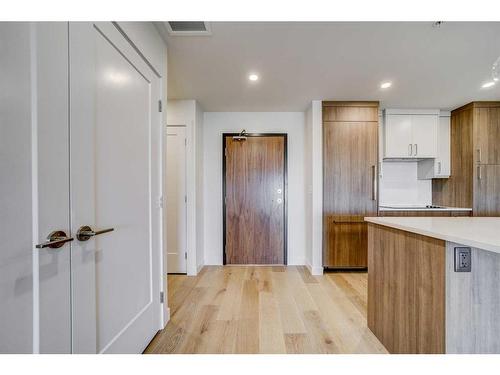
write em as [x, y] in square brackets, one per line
[217, 123]
[190, 114]
[313, 161]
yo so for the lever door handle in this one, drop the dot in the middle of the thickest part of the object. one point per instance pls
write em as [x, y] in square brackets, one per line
[85, 232]
[56, 239]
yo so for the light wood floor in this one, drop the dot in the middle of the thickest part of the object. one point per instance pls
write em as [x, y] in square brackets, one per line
[237, 309]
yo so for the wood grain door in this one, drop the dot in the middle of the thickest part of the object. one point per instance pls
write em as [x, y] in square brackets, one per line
[255, 199]
[350, 134]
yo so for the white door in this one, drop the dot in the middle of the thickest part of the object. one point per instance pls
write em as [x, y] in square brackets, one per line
[115, 184]
[424, 135]
[176, 199]
[34, 188]
[398, 136]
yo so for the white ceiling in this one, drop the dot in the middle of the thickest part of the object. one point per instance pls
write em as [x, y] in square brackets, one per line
[301, 61]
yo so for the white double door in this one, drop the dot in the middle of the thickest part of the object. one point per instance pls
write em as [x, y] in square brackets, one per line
[80, 147]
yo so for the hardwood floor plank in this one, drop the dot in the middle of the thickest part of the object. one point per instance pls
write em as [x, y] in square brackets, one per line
[275, 309]
[271, 339]
[298, 343]
[247, 338]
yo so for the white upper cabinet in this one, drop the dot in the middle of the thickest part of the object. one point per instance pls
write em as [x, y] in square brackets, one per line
[398, 136]
[410, 134]
[440, 167]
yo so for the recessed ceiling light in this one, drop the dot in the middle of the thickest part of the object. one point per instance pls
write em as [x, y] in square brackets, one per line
[488, 84]
[253, 77]
[385, 85]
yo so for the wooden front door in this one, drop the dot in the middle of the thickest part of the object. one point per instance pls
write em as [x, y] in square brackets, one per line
[255, 198]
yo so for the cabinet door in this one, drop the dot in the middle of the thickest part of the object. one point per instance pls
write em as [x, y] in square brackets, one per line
[424, 135]
[398, 136]
[443, 164]
[486, 135]
[487, 190]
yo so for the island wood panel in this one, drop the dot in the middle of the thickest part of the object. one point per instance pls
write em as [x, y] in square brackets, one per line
[472, 303]
[350, 133]
[254, 186]
[406, 290]
[425, 213]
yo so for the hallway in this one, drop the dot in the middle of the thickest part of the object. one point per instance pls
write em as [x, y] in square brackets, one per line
[236, 309]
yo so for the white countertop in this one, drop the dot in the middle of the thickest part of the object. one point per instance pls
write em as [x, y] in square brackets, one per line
[420, 208]
[480, 232]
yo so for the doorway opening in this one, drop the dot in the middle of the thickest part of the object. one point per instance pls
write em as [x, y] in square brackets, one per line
[254, 170]
[176, 194]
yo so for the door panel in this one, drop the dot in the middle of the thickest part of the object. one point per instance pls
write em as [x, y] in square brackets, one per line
[255, 200]
[486, 190]
[17, 255]
[34, 195]
[53, 184]
[487, 134]
[350, 182]
[176, 199]
[115, 163]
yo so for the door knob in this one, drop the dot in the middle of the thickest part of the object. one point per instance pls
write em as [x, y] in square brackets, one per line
[56, 239]
[85, 232]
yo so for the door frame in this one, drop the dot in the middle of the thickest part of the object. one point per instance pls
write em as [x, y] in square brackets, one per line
[285, 195]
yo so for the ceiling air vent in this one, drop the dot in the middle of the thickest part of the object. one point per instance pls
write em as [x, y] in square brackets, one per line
[188, 28]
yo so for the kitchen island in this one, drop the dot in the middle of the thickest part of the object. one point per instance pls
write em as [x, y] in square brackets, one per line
[417, 302]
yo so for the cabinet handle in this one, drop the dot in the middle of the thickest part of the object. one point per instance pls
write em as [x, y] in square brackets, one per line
[410, 149]
[479, 177]
[374, 183]
[439, 167]
[478, 155]
[416, 149]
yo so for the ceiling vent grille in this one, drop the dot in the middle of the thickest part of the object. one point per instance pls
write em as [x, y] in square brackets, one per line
[188, 28]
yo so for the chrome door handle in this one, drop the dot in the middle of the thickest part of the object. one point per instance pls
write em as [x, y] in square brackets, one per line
[56, 239]
[416, 149]
[410, 149]
[479, 156]
[85, 232]
[439, 167]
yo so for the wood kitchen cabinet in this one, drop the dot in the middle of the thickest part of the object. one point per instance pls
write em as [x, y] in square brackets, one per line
[475, 160]
[350, 149]
[410, 134]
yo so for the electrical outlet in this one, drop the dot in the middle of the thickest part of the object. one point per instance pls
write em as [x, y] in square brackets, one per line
[462, 259]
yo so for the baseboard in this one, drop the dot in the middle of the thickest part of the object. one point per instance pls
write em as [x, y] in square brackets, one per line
[315, 271]
[200, 267]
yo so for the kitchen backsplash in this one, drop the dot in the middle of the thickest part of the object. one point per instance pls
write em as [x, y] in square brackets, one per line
[399, 185]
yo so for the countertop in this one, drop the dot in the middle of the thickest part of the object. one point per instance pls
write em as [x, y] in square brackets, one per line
[420, 208]
[480, 232]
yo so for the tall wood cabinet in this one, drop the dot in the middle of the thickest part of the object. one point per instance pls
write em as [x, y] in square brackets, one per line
[350, 154]
[475, 160]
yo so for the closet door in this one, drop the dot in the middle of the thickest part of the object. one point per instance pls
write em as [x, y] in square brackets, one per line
[115, 191]
[34, 192]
